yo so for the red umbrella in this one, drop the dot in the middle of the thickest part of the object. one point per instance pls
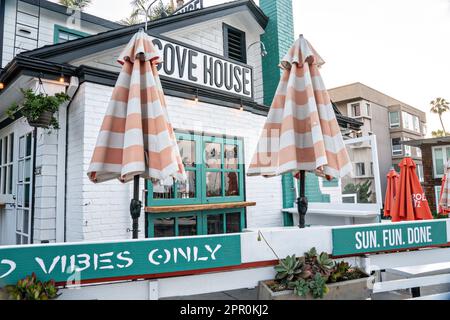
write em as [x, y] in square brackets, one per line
[411, 203]
[444, 197]
[391, 192]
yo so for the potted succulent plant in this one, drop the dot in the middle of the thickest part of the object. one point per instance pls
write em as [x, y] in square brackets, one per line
[315, 276]
[39, 108]
[30, 288]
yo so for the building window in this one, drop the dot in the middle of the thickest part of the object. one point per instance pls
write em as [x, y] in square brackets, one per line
[356, 109]
[418, 152]
[234, 44]
[394, 119]
[397, 149]
[411, 122]
[437, 196]
[372, 173]
[419, 171]
[63, 34]
[368, 111]
[360, 169]
[196, 223]
[440, 157]
[408, 149]
[6, 164]
[215, 169]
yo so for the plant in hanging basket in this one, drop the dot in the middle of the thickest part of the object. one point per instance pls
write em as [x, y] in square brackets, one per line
[31, 288]
[39, 108]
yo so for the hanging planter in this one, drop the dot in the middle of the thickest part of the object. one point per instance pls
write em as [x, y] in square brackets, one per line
[39, 108]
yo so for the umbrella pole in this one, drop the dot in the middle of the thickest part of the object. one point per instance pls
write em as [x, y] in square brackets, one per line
[135, 208]
[302, 201]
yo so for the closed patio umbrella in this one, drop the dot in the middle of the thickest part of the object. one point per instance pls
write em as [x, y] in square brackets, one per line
[391, 192]
[444, 197]
[301, 131]
[136, 138]
[410, 203]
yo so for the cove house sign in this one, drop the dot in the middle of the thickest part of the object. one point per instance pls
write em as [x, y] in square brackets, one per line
[203, 69]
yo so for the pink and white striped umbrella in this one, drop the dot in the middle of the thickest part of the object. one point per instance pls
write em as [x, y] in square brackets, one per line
[136, 137]
[301, 132]
[444, 197]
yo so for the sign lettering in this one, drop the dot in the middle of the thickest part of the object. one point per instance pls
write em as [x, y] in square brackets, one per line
[84, 261]
[190, 6]
[386, 237]
[204, 69]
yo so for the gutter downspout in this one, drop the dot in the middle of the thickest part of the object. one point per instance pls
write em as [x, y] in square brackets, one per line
[2, 30]
[61, 182]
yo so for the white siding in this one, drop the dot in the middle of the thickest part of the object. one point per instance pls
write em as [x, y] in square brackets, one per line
[101, 212]
[48, 20]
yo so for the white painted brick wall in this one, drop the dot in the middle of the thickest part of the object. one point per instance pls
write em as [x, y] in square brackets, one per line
[46, 28]
[101, 211]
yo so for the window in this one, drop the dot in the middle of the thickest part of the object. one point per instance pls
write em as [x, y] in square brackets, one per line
[63, 34]
[419, 171]
[437, 196]
[440, 157]
[394, 119]
[196, 223]
[408, 149]
[372, 173]
[356, 109]
[419, 152]
[6, 164]
[360, 169]
[234, 44]
[397, 149]
[215, 170]
[411, 122]
[368, 110]
[24, 195]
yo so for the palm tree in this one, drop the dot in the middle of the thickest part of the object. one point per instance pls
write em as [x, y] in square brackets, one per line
[75, 4]
[439, 107]
[140, 8]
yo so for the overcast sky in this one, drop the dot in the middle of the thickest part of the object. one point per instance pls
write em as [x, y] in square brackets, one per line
[399, 47]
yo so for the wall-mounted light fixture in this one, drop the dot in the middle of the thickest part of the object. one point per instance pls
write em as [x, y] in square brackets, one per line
[62, 79]
[2, 86]
[196, 96]
[263, 47]
[242, 106]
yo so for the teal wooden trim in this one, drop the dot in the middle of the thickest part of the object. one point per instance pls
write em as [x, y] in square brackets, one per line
[330, 184]
[58, 29]
[288, 190]
[288, 219]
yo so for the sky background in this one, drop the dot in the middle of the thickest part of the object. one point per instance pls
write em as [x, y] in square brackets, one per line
[399, 47]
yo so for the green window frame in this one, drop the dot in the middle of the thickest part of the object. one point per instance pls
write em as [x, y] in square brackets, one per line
[201, 171]
[71, 32]
[202, 221]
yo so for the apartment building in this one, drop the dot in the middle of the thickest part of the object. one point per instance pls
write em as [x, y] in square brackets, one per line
[391, 120]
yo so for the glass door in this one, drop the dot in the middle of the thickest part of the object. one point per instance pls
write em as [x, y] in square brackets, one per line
[24, 189]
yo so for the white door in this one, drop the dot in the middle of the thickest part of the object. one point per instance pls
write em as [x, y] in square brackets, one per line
[16, 150]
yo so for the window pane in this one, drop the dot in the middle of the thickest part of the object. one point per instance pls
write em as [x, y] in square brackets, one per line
[20, 173]
[231, 157]
[213, 155]
[28, 153]
[186, 190]
[234, 222]
[19, 220]
[439, 161]
[11, 152]
[187, 226]
[187, 152]
[215, 224]
[21, 147]
[4, 179]
[10, 179]
[24, 240]
[231, 184]
[26, 202]
[213, 184]
[18, 239]
[164, 227]
[5, 150]
[25, 221]
[163, 192]
[28, 170]
[20, 195]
